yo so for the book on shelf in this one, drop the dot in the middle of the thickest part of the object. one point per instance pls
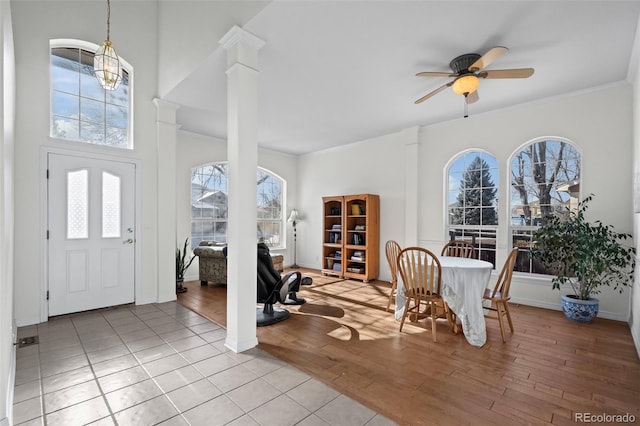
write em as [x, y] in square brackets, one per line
[336, 226]
[358, 240]
[360, 228]
[338, 254]
[337, 266]
[356, 269]
[358, 258]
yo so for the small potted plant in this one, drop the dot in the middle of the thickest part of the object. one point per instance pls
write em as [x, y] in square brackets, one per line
[182, 264]
[585, 255]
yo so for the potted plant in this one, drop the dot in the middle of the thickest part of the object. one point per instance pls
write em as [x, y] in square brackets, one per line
[182, 264]
[586, 256]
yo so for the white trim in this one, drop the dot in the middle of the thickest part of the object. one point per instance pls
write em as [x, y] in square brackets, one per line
[241, 346]
[24, 322]
[237, 65]
[543, 101]
[236, 34]
[558, 307]
[636, 339]
[89, 46]
[12, 378]
[44, 154]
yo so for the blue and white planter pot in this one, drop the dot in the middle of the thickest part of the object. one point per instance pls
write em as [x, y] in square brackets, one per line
[579, 310]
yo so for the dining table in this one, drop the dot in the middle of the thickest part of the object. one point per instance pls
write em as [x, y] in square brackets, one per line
[464, 281]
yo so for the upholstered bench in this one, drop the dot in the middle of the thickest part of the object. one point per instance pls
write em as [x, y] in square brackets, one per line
[213, 264]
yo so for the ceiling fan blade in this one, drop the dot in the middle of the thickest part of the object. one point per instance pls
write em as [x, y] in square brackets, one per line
[435, 74]
[473, 97]
[488, 58]
[434, 92]
[511, 73]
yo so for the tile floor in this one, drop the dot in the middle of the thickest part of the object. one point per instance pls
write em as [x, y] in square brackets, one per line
[163, 364]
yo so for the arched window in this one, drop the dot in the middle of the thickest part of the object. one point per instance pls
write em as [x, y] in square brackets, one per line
[209, 190]
[472, 201]
[81, 110]
[544, 181]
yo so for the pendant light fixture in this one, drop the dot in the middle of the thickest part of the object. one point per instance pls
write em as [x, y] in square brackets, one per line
[106, 64]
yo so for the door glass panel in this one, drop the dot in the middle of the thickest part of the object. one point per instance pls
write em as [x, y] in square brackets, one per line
[77, 204]
[110, 206]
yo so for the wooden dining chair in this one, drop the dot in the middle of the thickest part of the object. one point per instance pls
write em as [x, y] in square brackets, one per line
[392, 249]
[421, 275]
[459, 248]
[499, 295]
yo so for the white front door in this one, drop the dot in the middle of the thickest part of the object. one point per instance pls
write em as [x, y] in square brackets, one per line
[91, 236]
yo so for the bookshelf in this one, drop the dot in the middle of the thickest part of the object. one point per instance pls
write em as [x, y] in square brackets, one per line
[350, 242]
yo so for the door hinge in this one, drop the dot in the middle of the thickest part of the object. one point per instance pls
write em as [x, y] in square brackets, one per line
[47, 294]
[47, 234]
[47, 173]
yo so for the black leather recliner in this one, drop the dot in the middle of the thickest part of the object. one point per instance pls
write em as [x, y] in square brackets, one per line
[273, 288]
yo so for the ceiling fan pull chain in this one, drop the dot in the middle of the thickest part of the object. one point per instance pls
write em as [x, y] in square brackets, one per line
[466, 106]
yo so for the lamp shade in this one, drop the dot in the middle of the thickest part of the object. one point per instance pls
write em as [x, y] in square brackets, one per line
[465, 84]
[294, 217]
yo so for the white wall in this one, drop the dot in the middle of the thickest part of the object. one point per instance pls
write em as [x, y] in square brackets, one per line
[7, 118]
[195, 150]
[184, 49]
[35, 23]
[634, 77]
[599, 122]
[375, 166]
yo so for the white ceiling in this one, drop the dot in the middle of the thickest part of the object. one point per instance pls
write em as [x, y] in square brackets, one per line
[336, 72]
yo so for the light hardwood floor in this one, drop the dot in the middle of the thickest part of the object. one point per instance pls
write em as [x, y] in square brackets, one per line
[549, 369]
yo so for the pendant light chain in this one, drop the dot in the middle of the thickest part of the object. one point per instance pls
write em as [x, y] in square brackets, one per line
[108, 19]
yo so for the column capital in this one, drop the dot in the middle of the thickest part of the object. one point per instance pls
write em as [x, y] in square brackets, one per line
[236, 35]
[165, 111]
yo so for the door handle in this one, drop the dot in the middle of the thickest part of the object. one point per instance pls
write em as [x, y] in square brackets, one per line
[128, 241]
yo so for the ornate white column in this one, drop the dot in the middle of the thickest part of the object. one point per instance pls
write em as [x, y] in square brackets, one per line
[166, 128]
[242, 148]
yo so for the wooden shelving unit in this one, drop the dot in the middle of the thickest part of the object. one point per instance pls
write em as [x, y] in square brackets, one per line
[350, 242]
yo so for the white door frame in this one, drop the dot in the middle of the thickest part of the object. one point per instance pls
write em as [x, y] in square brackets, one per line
[44, 218]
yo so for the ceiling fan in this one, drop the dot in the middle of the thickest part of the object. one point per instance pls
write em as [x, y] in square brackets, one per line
[468, 69]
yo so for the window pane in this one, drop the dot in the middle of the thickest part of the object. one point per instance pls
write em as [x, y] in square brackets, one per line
[77, 204]
[209, 200]
[65, 105]
[110, 206]
[116, 137]
[545, 181]
[76, 94]
[64, 70]
[89, 86]
[120, 96]
[92, 132]
[472, 201]
[117, 116]
[91, 110]
[65, 128]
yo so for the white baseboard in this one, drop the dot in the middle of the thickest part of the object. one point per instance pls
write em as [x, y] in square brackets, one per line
[23, 322]
[12, 379]
[636, 339]
[558, 307]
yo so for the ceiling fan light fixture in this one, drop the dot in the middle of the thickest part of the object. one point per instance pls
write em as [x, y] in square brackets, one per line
[465, 84]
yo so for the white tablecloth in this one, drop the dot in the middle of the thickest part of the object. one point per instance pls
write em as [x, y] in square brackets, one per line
[463, 284]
